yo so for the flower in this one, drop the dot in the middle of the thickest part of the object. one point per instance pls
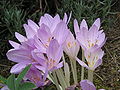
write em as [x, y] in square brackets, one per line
[87, 85]
[51, 60]
[71, 46]
[91, 39]
[37, 77]
[94, 59]
[51, 22]
[60, 33]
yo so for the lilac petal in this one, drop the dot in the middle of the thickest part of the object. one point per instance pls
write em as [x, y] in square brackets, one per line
[82, 63]
[60, 65]
[17, 68]
[35, 76]
[93, 33]
[99, 62]
[45, 74]
[19, 55]
[29, 31]
[56, 20]
[44, 34]
[42, 68]
[59, 54]
[87, 85]
[76, 27]
[97, 23]
[39, 45]
[83, 24]
[33, 25]
[47, 20]
[61, 32]
[65, 18]
[39, 57]
[52, 49]
[14, 44]
[20, 37]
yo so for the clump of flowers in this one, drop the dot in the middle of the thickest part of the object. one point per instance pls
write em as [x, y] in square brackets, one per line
[43, 48]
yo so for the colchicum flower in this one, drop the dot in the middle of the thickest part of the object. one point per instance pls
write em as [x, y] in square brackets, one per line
[35, 49]
[51, 60]
[37, 77]
[71, 46]
[94, 59]
[91, 39]
[87, 85]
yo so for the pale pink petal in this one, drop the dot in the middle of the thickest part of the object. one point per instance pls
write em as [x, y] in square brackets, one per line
[65, 18]
[98, 63]
[87, 85]
[33, 25]
[82, 63]
[56, 20]
[29, 31]
[76, 27]
[83, 24]
[17, 68]
[52, 49]
[61, 32]
[20, 37]
[60, 65]
[19, 55]
[97, 23]
[39, 45]
[44, 34]
[14, 44]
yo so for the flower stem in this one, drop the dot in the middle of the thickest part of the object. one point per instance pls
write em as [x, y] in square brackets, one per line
[82, 71]
[74, 71]
[90, 75]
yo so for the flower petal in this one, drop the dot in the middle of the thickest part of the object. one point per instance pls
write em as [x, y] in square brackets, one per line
[52, 49]
[87, 85]
[61, 32]
[29, 31]
[14, 44]
[17, 68]
[76, 27]
[82, 63]
[20, 37]
[33, 25]
[19, 55]
[83, 24]
[99, 62]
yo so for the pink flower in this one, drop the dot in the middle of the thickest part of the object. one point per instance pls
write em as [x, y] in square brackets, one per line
[51, 60]
[87, 85]
[37, 77]
[71, 46]
[91, 39]
[94, 59]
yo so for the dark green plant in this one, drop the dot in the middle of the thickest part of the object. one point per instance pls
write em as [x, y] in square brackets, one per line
[15, 83]
[87, 9]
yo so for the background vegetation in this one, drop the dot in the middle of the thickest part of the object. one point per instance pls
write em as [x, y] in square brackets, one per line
[14, 13]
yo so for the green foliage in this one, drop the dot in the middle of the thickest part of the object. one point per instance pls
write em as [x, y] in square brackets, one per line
[26, 86]
[87, 9]
[11, 82]
[15, 83]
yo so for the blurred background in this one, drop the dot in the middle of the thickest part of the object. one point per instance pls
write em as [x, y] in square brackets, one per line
[15, 13]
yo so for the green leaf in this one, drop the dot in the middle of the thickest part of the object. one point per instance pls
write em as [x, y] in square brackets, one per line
[2, 79]
[11, 82]
[21, 75]
[26, 86]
